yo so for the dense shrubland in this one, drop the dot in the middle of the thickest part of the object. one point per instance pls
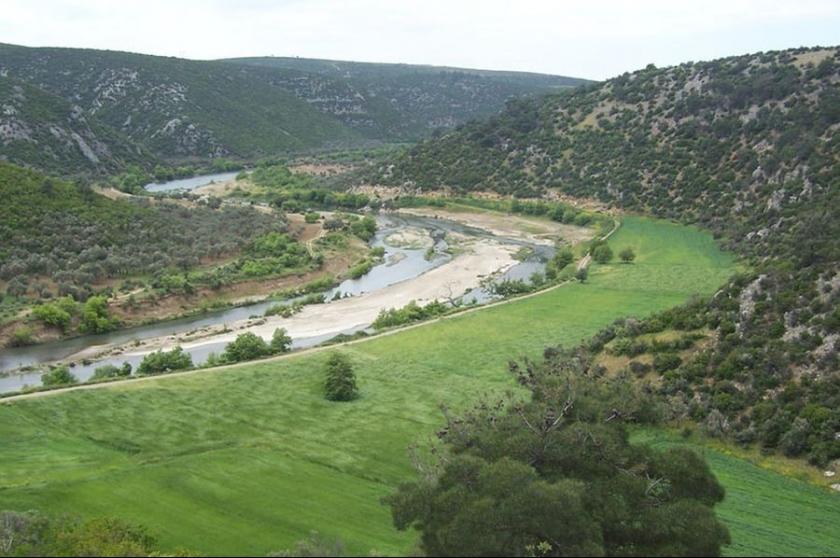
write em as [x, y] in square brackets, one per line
[295, 192]
[32, 534]
[745, 146]
[58, 238]
[136, 109]
[411, 312]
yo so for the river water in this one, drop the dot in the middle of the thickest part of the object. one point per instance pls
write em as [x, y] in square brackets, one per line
[399, 264]
[183, 184]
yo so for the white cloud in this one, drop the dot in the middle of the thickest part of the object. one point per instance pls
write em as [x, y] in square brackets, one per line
[591, 39]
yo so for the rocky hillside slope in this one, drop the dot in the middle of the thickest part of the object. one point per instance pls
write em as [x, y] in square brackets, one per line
[181, 110]
[748, 147]
[402, 101]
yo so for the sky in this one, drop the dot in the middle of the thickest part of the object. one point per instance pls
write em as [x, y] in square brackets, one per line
[594, 39]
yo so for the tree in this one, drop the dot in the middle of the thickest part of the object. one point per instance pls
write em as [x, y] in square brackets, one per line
[558, 476]
[280, 341]
[96, 317]
[17, 287]
[22, 336]
[56, 314]
[602, 254]
[161, 361]
[364, 228]
[20, 532]
[582, 274]
[562, 258]
[105, 536]
[315, 545]
[333, 224]
[340, 384]
[246, 346]
[627, 255]
[60, 376]
[111, 371]
[32, 534]
[795, 440]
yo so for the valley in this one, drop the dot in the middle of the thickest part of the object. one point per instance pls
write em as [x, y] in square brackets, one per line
[278, 458]
[294, 306]
[275, 472]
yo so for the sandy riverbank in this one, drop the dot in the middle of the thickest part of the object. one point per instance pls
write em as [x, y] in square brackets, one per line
[478, 259]
[540, 231]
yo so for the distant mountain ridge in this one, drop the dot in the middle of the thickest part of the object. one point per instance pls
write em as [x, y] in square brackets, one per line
[402, 101]
[147, 109]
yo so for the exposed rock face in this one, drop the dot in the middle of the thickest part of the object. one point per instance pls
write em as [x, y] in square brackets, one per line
[39, 129]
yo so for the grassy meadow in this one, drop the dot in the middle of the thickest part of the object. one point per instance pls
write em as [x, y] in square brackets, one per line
[768, 514]
[248, 460]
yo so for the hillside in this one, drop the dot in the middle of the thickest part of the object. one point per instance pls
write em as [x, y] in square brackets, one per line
[59, 238]
[746, 147]
[402, 101]
[177, 108]
[167, 109]
[38, 126]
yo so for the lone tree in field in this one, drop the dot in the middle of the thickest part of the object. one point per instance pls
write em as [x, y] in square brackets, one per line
[340, 384]
[627, 255]
[602, 254]
[582, 274]
[558, 476]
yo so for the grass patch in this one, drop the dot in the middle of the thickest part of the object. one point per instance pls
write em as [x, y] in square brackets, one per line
[768, 514]
[250, 459]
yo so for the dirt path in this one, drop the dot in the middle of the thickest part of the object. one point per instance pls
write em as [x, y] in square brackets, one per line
[587, 259]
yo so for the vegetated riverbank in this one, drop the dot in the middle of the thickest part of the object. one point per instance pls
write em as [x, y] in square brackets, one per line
[250, 458]
[475, 260]
[532, 229]
[142, 301]
[483, 255]
[449, 292]
[453, 279]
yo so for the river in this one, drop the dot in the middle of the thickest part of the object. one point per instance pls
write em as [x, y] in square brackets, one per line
[399, 264]
[185, 184]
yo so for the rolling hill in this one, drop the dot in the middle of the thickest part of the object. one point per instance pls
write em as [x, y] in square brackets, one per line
[747, 147]
[402, 101]
[150, 109]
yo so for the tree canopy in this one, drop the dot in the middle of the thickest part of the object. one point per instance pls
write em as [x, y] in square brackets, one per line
[558, 476]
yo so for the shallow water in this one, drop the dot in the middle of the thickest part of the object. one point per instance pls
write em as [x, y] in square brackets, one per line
[192, 183]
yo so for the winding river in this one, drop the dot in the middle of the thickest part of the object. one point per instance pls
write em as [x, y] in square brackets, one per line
[399, 264]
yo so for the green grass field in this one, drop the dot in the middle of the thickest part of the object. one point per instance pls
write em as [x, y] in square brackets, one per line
[250, 459]
[768, 514]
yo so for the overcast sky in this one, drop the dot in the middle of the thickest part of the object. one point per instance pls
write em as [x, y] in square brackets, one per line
[593, 39]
